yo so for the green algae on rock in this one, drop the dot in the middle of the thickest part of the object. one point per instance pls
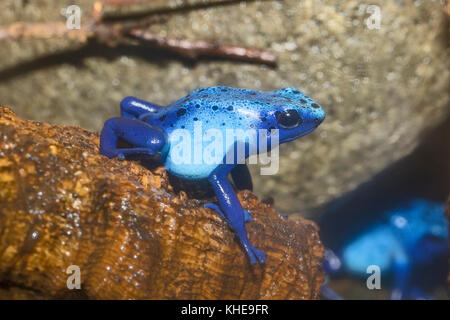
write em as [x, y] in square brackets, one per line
[131, 235]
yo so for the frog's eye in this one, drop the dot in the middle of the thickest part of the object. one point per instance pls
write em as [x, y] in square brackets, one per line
[288, 119]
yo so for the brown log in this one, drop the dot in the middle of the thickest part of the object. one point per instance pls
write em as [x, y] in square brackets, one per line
[130, 233]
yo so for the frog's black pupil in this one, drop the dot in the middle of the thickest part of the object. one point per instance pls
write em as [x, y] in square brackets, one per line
[288, 119]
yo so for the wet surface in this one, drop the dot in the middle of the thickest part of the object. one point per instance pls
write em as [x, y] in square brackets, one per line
[130, 233]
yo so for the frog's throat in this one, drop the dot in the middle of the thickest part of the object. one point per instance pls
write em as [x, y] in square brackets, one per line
[164, 151]
[301, 134]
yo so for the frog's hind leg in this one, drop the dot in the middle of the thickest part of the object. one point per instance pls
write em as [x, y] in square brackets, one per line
[144, 138]
[233, 211]
[135, 108]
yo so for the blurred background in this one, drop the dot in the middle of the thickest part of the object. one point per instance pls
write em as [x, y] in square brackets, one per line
[379, 69]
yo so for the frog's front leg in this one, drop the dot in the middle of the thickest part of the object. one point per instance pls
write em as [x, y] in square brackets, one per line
[233, 211]
[247, 216]
[402, 272]
[144, 138]
[329, 293]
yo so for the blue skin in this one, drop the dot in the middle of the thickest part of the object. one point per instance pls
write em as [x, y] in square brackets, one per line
[408, 236]
[149, 129]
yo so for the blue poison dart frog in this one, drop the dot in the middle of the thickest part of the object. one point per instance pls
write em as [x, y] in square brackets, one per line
[407, 242]
[150, 129]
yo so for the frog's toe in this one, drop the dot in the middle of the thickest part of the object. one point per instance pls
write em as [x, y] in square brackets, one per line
[418, 294]
[216, 208]
[247, 216]
[284, 216]
[260, 255]
[255, 255]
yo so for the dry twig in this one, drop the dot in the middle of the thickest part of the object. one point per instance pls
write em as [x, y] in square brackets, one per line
[195, 48]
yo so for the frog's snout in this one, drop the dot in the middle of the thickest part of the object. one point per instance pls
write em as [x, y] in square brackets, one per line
[319, 115]
[313, 116]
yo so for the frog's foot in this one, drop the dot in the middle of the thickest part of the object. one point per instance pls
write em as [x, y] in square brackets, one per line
[402, 273]
[254, 254]
[247, 216]
[284, 216]
[418, 294]
[329, 293]
[144, 138]
[216, 208]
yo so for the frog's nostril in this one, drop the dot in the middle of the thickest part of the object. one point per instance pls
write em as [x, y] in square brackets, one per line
[320, 115]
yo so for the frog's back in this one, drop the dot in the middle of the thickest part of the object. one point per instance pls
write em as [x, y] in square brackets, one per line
[202, 110]
[212, 103]
[217, 109]
[220, 107]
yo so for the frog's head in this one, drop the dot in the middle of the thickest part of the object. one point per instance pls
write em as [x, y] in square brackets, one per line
[420, 218]
[294, 114]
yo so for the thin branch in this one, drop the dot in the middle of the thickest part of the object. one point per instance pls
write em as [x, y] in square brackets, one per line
[22, 30]
[103, 32]
[196, 48]
[164, 3]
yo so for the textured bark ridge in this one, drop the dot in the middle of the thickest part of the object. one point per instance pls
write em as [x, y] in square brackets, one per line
[130, 233]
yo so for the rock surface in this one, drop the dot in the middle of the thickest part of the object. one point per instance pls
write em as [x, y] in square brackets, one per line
[380, 87]
[132, 236]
